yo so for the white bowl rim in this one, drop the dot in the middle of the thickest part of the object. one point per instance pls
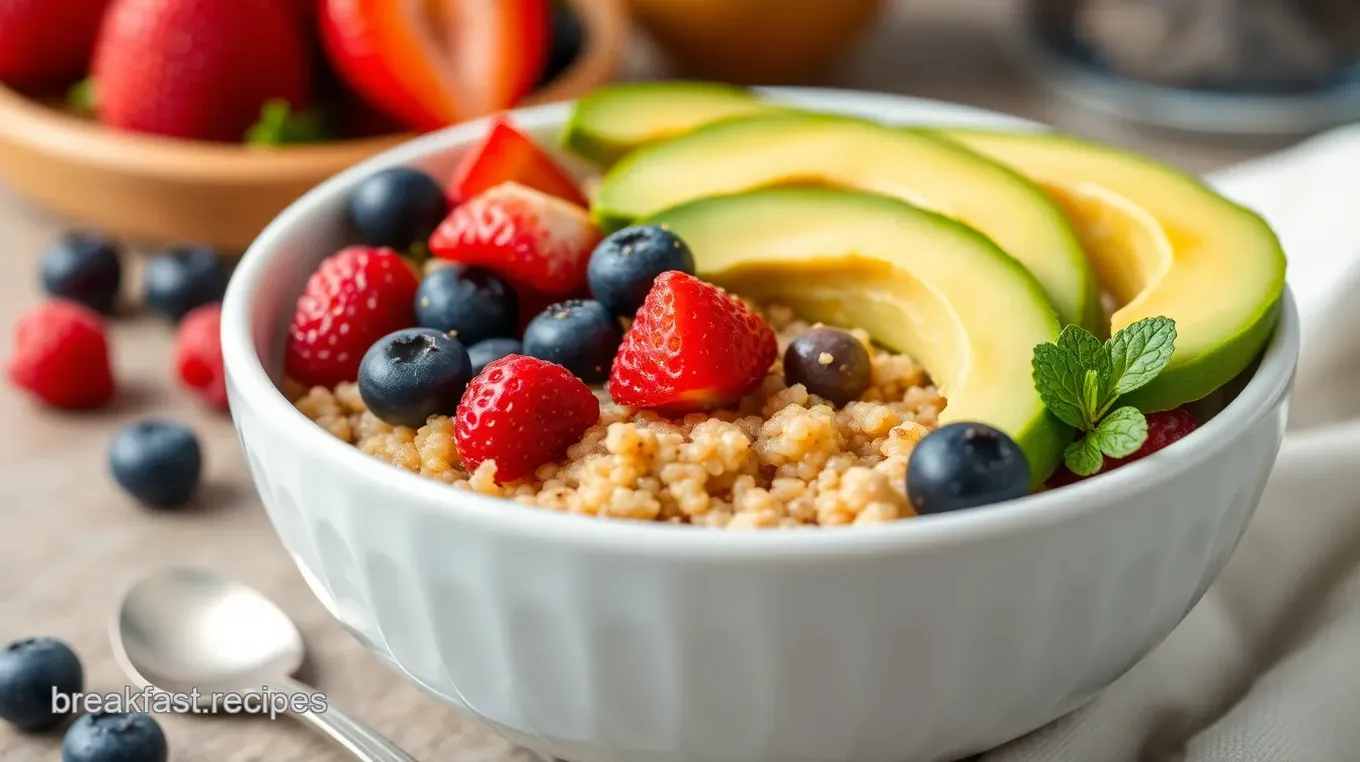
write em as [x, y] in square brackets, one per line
[1266, 389]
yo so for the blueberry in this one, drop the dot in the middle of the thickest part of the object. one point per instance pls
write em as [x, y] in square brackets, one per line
[483, 353]
[158, 462]
[83, 267]
[578, 334]
[964, 465]
[30, 671]
[623, 265]
[568, 37]
[469, 302]
[183, 278]
[110, 737]
[412, 374]
[830, 362]
[397, 207]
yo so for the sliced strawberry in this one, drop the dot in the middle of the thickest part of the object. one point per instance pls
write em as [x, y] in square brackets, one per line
[692, 347]
[538, 242]
[442, 61]
[508, 155]
[351, 42]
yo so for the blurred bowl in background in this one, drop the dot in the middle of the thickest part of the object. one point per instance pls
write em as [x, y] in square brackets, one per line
[755, 42]
[153, 189]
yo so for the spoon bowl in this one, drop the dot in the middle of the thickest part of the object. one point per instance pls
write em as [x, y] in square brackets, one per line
[182, 628]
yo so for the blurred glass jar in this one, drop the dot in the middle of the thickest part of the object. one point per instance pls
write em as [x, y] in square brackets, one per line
[755, 42]
[1280, 65]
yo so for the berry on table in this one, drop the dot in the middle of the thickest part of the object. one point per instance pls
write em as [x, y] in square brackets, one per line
[198, 355]
[357, 296]
[83, 267]
[1164, 428]
[578, 334]
[183, 278]
[964, 465]
[111, 737]
[158, 462]
[412, 374]
[470, 302]
[397, 207]
[624, 265]
[61, 356]
[483, 353]
[535, 241]
[692, 347]
[829, 363]
[522, 412]
[31, 670]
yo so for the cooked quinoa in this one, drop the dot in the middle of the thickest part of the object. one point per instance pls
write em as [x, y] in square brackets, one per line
[784, 458]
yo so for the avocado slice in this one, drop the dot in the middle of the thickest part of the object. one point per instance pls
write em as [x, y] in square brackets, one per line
[1219, 272]
[762, 150]
[614, 120]
[918, 282]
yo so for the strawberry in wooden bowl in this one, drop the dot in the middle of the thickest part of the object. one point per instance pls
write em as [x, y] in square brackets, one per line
[199, 120]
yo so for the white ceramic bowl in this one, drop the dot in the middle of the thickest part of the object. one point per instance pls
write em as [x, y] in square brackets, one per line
[608, 641]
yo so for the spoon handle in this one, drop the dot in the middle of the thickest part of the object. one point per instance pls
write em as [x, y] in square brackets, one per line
[354, 736]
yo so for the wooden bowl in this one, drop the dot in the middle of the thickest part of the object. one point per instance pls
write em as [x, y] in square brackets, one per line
[159, 190]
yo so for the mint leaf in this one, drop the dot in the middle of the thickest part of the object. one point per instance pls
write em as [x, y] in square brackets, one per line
[1059, 380]
[1083, 457]
[1140, 351]
[279, 125]
[1120, 433]
[1085, 347]
[1091, 394]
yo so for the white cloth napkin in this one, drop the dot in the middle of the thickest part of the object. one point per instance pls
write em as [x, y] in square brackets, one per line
[1267, 667]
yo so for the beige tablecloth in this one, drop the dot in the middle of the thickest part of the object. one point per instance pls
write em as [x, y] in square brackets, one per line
[1267, 667]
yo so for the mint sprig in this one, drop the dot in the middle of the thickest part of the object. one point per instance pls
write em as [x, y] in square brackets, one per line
[1080, 379]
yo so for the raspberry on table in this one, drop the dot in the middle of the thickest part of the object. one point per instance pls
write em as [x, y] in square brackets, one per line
[61, 356]
[357, 296]
[198, 355]
[522, 412]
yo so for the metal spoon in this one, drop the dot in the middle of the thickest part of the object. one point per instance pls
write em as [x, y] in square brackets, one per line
[182, 629]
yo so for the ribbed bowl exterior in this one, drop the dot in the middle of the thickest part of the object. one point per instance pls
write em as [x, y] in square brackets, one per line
[917, 644]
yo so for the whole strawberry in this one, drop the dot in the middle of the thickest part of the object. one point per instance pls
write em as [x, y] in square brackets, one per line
[692, 347]
[47, 42]
[538, 242]
[198, 355]
[357, 296]
[61, 356]
[198, 69]
[522, 412]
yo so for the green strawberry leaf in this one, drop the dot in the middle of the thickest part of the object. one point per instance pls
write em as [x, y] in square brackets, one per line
[279, 125]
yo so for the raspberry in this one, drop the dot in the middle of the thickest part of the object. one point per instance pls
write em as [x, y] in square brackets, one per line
[522, 412]
[198, 355]
[1164, 428]
[692, 347]
[61, 356]
[357, 296]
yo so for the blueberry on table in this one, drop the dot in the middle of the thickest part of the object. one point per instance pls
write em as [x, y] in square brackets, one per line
[483, 353]
[183, 278]
[568, 37]
[412, 374]
[578, 334]
[830, 363]
[471, 303]
[158, 462]
[83, 266]
[964, 465]
[624, 265]
[111, 737]
[397, 207]
[30, 671]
